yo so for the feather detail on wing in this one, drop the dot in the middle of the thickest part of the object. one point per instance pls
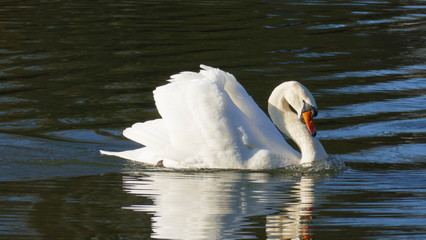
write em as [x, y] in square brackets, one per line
[209, 120]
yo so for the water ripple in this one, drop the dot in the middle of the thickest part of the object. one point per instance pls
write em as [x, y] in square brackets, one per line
[398, 85]
[326, 26]
[404, 70]
[403, 153]
[318, 55]
[373, 108]
[375, 129]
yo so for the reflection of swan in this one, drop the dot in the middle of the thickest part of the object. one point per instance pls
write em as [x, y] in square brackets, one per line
[185, 207]
[295, 222]
[209, 121]
[223, 205]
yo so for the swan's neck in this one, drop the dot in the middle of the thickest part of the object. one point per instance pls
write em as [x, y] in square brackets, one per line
[289, 124]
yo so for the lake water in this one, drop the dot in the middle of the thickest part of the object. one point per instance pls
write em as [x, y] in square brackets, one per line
[74, 74]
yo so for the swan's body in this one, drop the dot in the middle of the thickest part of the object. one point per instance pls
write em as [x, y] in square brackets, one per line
[209, 121]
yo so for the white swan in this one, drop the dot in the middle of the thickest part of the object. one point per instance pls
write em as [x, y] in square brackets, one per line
[209, 121]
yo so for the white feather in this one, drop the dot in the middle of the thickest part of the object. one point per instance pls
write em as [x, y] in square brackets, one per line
[208, 121]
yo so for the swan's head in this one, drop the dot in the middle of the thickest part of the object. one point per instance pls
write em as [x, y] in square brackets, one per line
[299, 97]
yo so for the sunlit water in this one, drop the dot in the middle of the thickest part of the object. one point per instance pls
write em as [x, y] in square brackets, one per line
[73, 75]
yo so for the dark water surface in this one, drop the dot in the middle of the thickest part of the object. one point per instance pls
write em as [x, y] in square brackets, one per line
[74, 74]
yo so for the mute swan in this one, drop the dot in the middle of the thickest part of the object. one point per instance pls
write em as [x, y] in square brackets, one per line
[209, 121]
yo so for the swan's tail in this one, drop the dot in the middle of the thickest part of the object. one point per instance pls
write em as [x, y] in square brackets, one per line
[152, 134]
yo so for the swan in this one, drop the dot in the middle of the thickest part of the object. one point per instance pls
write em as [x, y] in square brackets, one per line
[208, 120]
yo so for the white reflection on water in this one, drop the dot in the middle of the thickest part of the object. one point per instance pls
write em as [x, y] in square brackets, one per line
[224, 205]
[295, 221]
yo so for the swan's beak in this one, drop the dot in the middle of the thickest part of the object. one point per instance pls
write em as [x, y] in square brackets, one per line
[309, 121]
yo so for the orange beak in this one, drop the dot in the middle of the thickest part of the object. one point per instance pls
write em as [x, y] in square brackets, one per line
[309, 121]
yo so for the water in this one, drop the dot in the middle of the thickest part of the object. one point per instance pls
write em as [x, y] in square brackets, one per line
[73, 75]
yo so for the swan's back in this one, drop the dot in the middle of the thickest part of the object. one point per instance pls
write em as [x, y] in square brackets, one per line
[209, 121]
